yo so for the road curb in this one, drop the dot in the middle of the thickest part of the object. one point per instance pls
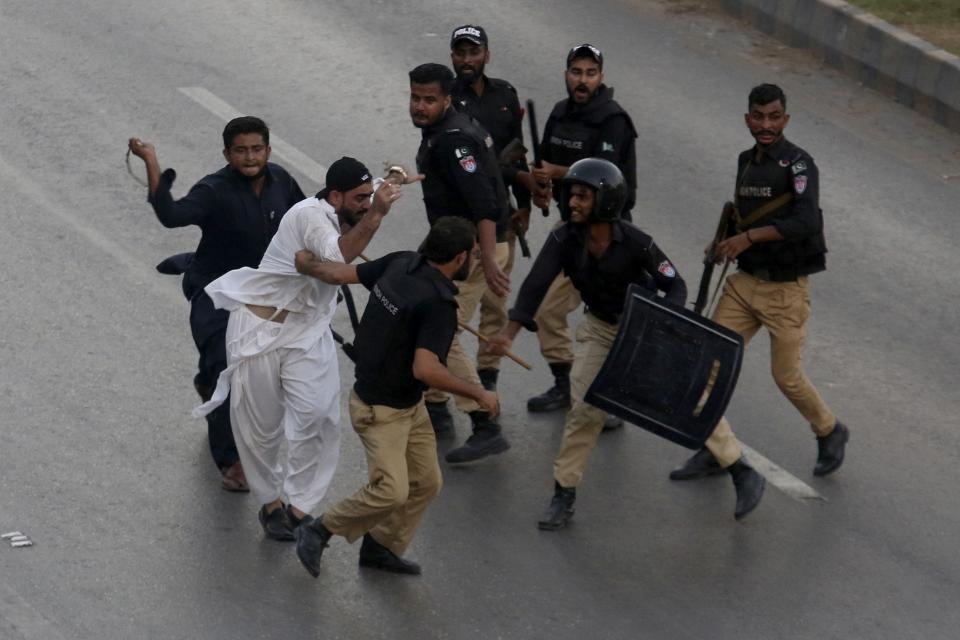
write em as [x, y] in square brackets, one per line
[881, 56]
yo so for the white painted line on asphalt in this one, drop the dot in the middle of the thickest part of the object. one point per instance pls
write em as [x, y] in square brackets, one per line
[789, 484]
[145, 275]
[780, 478]
[290, 155]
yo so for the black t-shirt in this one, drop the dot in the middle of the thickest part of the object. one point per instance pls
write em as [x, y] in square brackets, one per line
[411, 306]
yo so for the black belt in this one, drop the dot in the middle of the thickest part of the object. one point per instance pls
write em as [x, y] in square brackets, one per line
[609, 318]
[773, 275]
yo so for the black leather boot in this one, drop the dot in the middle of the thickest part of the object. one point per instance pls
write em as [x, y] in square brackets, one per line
[312, 539]
[560, 509]
[699, 465]
[831, 449]
[488, 378]
[486, 440]
[749, 485]
[557, 396]
[440, 418]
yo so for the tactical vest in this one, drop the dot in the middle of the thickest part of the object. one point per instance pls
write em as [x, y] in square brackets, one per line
[443, 198]
[757, 185]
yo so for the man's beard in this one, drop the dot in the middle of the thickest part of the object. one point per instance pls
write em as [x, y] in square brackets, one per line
[350, 218]
[253, 178]
[461, 274]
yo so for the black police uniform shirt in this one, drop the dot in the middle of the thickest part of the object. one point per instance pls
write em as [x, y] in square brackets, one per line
[236, 225]
[632, 257]
[411, 307]
[782, 168]
[598, 129]
[498, 111]
[462, 176]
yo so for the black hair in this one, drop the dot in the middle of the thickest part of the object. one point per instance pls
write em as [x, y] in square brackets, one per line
[764, 94]
[432, 72]
[245, 124]
[449, 237]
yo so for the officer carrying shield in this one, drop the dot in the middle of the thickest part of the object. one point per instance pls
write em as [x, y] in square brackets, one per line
[602, 255]
[776, 237]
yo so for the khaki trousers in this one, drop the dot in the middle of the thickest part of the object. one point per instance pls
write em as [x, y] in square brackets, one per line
[472, 291]
[493, 312]
[747, 304]
[403, 471]
[552, 332]
[584, 422]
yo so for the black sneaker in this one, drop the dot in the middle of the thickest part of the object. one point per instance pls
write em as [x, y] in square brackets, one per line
[376, 556]
[276, 525]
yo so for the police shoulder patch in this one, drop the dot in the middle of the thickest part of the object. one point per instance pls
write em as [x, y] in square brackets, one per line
[667, 269]
[800, 184]
[799, 167]
[468, 163]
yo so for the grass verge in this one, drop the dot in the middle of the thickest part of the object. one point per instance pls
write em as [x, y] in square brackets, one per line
[936, 21]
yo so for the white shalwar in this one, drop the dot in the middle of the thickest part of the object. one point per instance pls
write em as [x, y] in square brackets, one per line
[284, 377]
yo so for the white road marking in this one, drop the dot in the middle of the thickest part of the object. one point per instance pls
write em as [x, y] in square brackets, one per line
[284, 150]
[783, 480]
[143, 274]
[780, 478]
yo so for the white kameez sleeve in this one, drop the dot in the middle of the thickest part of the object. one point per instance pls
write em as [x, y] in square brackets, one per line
[322, 238]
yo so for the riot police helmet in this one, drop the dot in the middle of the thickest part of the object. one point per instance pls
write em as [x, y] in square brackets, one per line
[607, 182]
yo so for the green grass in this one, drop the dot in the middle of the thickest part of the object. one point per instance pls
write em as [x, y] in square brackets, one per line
[937, 21]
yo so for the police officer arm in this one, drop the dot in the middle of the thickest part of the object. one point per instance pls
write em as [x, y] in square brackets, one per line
[428, 369]
[545, 269]
[665, 276]
[355, 240]
[338, 273]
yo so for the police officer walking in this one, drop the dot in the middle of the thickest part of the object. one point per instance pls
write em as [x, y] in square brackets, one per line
[493, 103]
[589, 123]
[238, 210]
[402, 344]
[602, 255]
[777, 239]
[462, 178]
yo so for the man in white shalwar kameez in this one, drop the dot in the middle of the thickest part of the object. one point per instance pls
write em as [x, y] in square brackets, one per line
[282, 370]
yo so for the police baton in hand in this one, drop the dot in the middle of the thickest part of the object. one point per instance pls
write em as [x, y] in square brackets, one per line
[535, 139]
[520, 361]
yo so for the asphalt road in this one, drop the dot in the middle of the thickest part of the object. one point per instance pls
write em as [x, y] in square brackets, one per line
[102, 466]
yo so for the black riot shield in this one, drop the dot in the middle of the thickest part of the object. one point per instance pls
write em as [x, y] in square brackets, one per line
[670, 371]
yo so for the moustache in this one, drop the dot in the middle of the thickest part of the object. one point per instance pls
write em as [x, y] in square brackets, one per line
[582, 87]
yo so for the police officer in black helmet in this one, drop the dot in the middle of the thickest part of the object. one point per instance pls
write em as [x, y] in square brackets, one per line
[602, 255]
[589, 123]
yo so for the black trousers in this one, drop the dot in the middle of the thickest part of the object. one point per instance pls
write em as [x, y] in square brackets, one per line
[209, 328]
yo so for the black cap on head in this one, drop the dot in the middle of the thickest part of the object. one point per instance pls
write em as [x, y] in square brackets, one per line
[345, 174]
[476, 35]
[585, 51]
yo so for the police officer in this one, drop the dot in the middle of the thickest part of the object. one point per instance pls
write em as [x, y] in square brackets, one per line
[776, 237]
[588, 123]
[493, 103]
[462, 178]
[402, 344]
[238, 210]
[602, 255]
